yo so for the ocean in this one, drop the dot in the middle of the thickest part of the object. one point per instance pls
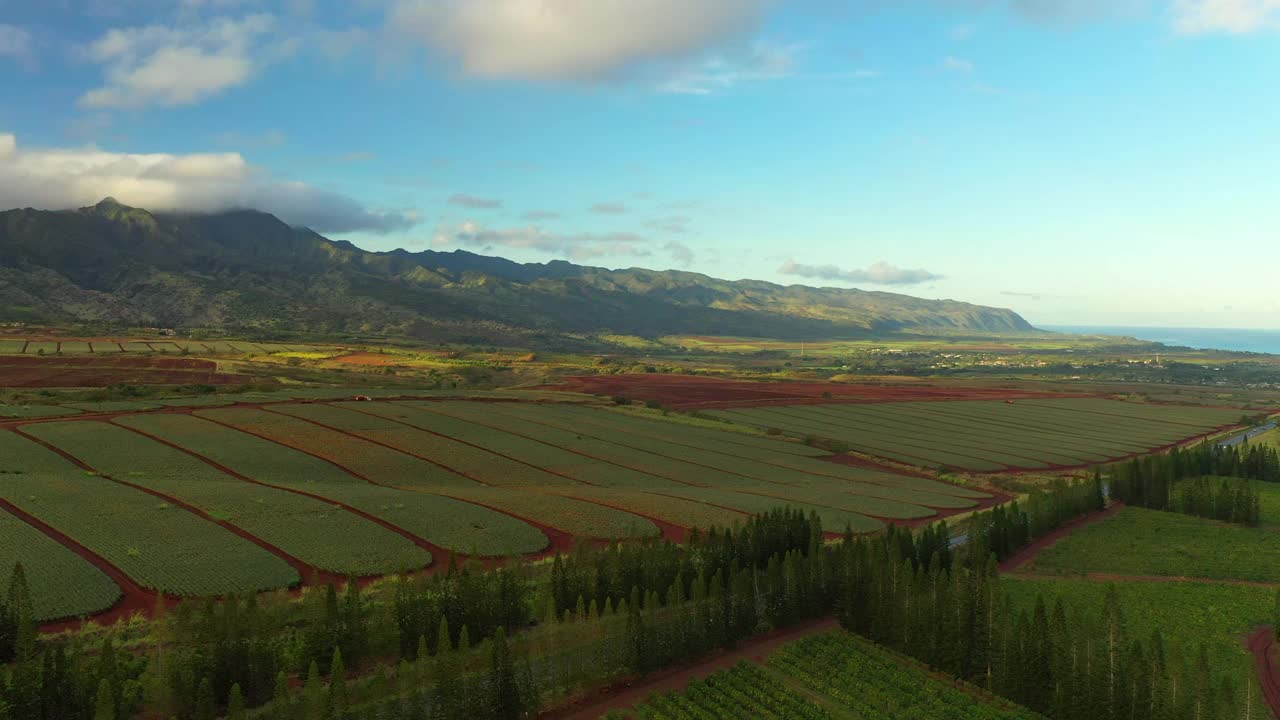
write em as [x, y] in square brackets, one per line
[1259, 341]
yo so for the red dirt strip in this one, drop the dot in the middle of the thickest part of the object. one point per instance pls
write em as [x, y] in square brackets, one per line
[689, 392]
[627, 695]
[93, 370]
[1028, 553]
[1261, 644]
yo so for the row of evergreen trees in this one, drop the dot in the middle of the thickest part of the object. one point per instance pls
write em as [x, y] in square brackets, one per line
[1069, 662]
[1206, 480]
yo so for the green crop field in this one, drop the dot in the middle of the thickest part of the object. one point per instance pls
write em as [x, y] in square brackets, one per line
[745, 690]
[63, 584]
[315, 532]
[113, 406]
[160, 546]
[1186, 614]
[452, 524]
[988, 436]
[824, 677]
[1137, 541]
[36, 411]
[12, 347]
[74, 347]
[480, 462]
[867, 681]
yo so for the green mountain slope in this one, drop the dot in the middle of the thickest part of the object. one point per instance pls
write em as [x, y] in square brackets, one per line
[247, 270]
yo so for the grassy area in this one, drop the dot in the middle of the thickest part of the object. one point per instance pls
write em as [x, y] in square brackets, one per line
[1149, 542]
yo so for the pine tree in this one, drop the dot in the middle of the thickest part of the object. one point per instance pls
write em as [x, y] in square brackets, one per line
[281, 702]
[504, 691]
[338, 684]
[105, 704]
[316, 705]
[204, 708]
[20, 605]
[235, 704]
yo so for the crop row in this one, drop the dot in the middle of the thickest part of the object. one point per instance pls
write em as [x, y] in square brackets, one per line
[799, 471]
[743, 691]
[63, 584]
[313, 531]
[984, 436]
[868, 682]
[692, 475]
[161, 546]
[452, 524]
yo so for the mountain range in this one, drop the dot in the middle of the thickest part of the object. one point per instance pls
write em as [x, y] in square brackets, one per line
[247, 271]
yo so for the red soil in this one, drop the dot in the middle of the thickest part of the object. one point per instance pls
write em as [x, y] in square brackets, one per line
[691, 392]
[1261, 644]
[367, 359]
[629, 694]
[1028, 553]
[30, 371]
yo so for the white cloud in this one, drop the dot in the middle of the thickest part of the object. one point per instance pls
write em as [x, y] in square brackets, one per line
[65, 178]
[1193, 17]
[163, 65]
[570, 39]
[15, 42]
[955, 64]
[579, 246]
[721, 72]
[471, 201]
[680, 253]
[877, 274]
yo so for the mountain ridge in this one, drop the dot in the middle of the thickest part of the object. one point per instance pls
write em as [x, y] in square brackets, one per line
[245, 269]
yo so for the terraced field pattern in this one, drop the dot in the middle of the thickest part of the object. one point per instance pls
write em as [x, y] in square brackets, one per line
[201, 499]
[989, 436]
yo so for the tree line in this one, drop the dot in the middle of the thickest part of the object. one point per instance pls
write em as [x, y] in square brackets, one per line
[1206, 481]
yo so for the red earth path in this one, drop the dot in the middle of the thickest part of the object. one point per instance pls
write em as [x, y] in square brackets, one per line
[1261, 644]
[695, 392]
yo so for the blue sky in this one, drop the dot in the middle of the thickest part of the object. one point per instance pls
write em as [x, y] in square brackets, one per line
[1082, 161]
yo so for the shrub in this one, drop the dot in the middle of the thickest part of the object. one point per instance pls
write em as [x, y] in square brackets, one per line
[653, 404]
[621, 400]
[774, 431]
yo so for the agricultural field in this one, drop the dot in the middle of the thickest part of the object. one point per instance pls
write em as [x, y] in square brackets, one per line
[994, 436]
[301, 526]
[1187, 614]
[63, 584]
[208, 500]
[448, 523]
[1137, 541]
[36, 411]
[827, 676]
[694, 392]
[99, 370]
[146, 346]
[162, 547]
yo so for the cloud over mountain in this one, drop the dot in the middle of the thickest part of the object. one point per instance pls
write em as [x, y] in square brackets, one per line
[876, 274]
[57, 178]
